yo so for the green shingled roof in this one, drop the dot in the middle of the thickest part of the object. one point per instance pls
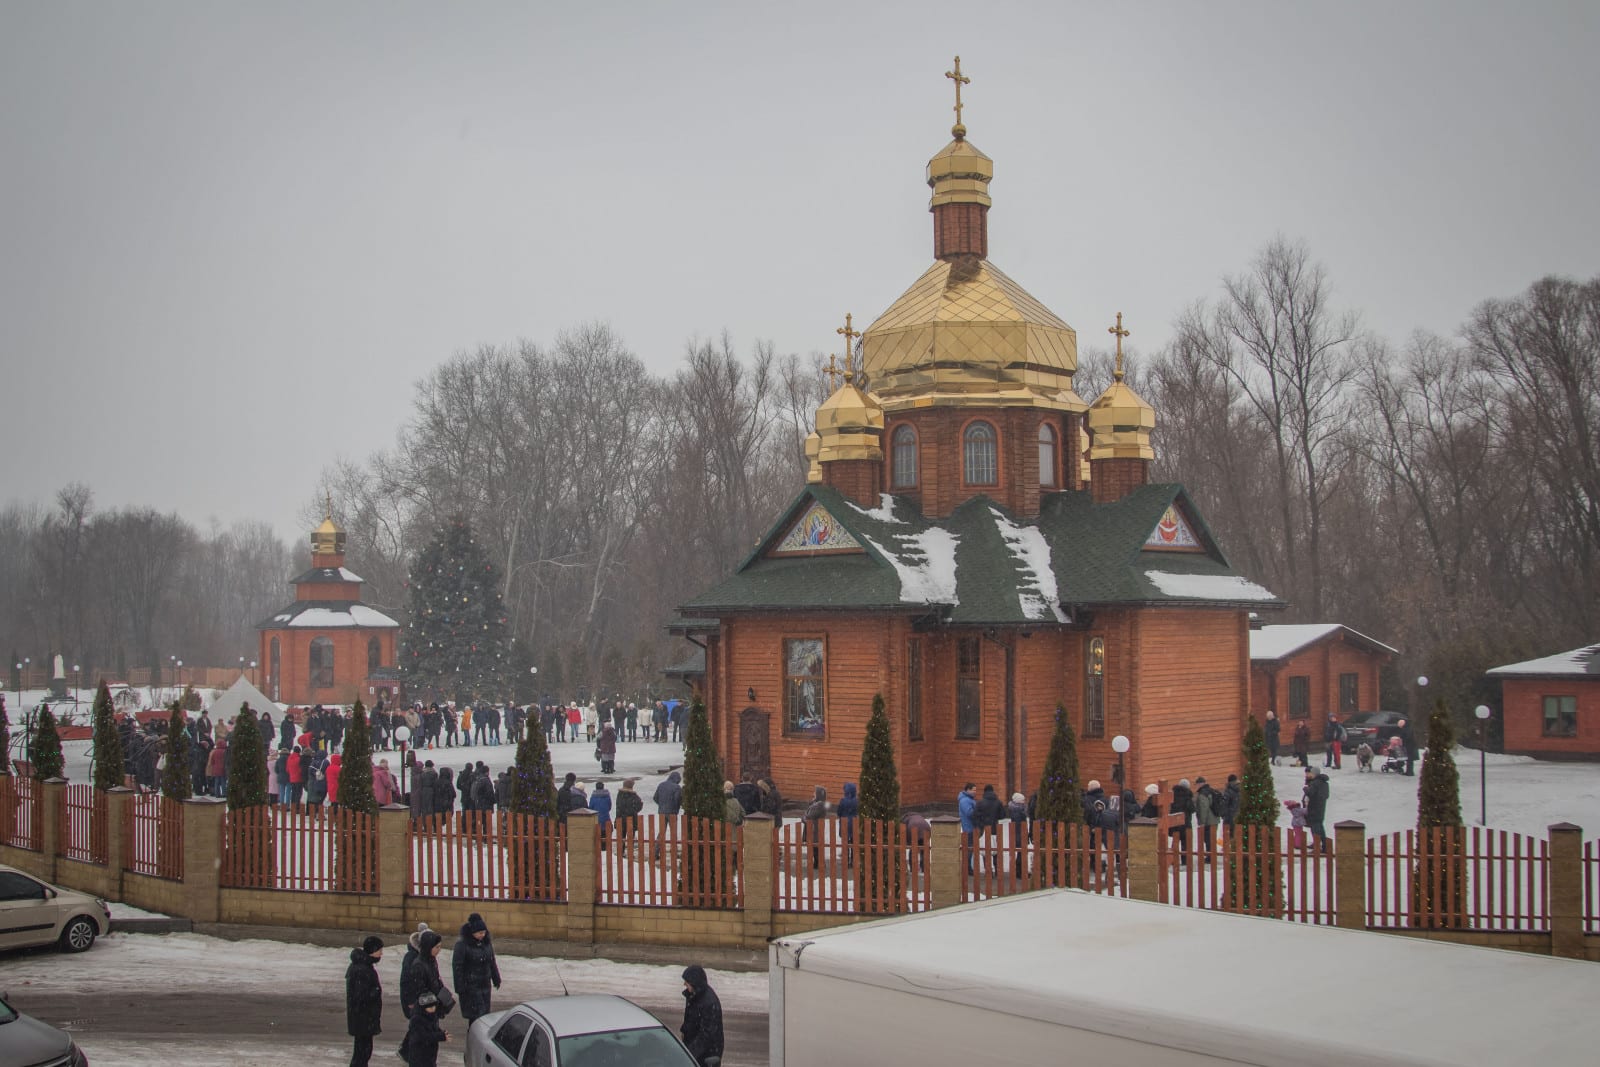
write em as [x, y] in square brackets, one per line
[1076, 554]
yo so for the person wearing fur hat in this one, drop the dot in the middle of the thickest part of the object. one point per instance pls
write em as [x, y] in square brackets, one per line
[702, 1017]
[473, 968]
[419, 972]
[1151, 809]
[363, 999]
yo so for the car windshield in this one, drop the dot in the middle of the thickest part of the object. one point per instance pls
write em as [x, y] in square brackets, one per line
[650, 1047]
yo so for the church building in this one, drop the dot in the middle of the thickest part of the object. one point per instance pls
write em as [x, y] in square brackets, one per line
[978, 545]
[328, 647]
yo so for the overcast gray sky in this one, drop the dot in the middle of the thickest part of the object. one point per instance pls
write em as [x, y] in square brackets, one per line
[234, 237]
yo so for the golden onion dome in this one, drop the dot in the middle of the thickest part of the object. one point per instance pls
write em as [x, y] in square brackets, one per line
[327, 539]
[850, 425]
[1121, 423]
[960, 174]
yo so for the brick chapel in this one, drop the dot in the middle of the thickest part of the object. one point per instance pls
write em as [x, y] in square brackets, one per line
[328, 647]
[978, 544]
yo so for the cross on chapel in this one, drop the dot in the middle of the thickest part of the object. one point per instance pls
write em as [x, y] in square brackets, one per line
[850, 336]
[1120, 333]
[960, 79]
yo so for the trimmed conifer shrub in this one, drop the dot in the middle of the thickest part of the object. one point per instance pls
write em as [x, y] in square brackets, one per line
[1253, 854]
[46, 754]
[355, 765]
[1060, 790]
[247, 770]
[702, 770]
[1258, 798]
[532, 782]
[879, 869]
[1439, 881]
[880, 779]
[176, 781]
[5, 739]
[191, 699]
[108, 759]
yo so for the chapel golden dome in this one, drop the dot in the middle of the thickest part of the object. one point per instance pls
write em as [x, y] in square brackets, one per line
[813, 449]
[960, 174]
[328, 539]
[1119, 419]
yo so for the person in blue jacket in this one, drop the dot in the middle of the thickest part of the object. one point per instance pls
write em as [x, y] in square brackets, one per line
[848, 808]
[967, 808]
[600, 804]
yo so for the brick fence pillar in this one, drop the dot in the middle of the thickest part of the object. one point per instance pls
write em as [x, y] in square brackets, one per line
[52, 824]
[946, 860]
[756, 840]
[583, 869]
[1350, 874]
[202, 858]
[1144, 860]
[1566, 890]
[394, 864]
[118, 847]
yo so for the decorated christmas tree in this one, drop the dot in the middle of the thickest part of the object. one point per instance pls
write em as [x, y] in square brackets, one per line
[455, 644]
[1439, 882]
[176, 781]
[1258, 800]
[1253, 863]
[702, 770]
[355, 765]
[880, 868]
[1060, 791]
[108, 760]
[46, 755]
[247, 764]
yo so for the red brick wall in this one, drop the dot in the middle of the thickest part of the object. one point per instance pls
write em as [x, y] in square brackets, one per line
[859, 479]
[1322, 663]
[960, 229]
[328, 591]
[1523, 703]
[940, 488]
[1112, 479]
[349, 663]
[1192, 695]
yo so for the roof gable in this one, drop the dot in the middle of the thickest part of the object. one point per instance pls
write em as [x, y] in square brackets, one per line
[1272, 643]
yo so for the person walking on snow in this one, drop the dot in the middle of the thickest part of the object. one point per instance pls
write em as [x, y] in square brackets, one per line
[473, 968]
[363, 999]
[702, 1018]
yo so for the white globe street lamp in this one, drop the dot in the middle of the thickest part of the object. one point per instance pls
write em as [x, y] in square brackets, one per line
[1482, 712]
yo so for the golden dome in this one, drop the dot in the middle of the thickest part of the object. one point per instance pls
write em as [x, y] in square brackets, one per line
[966, 334]
[850, 425]
[960, 174]
[1121, 423]
[327, 539]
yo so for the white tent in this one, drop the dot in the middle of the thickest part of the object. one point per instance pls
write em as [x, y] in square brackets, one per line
[237, 695]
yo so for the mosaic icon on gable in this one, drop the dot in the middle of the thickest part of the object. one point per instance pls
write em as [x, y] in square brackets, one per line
[1173, 533]
[816, 531]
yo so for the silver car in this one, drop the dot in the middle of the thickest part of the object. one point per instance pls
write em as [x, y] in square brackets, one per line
[37, 913]
[27, 1042]
[592, 1030]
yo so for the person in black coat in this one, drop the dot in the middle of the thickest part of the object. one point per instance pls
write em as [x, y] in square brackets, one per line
[1274, 730]
[363, 999]
[702, 1017]
[1409, 740]
[473, 968]
[419, 973]
[1182, 803]
[1316, 803]
[424, 1035]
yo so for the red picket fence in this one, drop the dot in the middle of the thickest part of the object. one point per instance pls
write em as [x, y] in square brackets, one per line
[154, 832]
[1011, 858]
[1591, 887]
[467, 855]
[1256, 870]
[667, 860]
[21, 812]
[1454, 877]
[82, 819]
[305, 847]
[872, 868]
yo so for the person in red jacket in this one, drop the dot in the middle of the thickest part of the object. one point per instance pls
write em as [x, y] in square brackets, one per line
[333, 778]
[297, 778]
[216, 785]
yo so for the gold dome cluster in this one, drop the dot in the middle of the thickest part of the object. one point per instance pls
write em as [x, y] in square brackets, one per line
[850, 421]
[1120, 419]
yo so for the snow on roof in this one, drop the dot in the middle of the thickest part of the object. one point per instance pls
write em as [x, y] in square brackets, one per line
[925, 564]
[1208, 586]
[884, 512]
[1580, 661]
[1006, 956]
[350, 576]
[1036, 594]
[1276, 642]
[333, 618]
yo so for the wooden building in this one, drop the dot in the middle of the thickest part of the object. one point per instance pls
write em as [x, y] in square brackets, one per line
[978, 545]
[1307, 670]
[327, 647]
[1552, 705]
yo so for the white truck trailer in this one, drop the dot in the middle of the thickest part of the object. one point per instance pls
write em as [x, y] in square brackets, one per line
[1066, 977]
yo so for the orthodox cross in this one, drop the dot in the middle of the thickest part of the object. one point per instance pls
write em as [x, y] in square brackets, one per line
[1121, 333]
[850, 336]
[330, 504]
[960, 80]
[832, 371]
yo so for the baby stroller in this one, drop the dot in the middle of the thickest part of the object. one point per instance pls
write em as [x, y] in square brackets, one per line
[1297, 823]
[1394, 757]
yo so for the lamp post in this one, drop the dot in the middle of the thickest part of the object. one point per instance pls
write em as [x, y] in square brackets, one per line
[1120, 745]
[1482, 712]
[77, 682]
[19, 686]
[402, 734]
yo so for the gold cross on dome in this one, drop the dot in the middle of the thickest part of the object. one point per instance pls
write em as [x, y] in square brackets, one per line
[850, 336]
[832, 371]
[1121, 333]
[960, 80]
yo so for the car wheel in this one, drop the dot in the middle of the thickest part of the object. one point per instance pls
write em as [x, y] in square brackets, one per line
[79, 935]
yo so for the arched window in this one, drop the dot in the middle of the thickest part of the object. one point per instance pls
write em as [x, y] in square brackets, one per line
[1047, 456]
[321, 663]
[1094, 690]
[274, 661]
[982, 465]
[904, 457]
[374, 656]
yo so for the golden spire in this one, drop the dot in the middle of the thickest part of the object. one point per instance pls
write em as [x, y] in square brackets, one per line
[832, 371]
[958, 130]
[1121, 333]
[850, 336]
[329, 498]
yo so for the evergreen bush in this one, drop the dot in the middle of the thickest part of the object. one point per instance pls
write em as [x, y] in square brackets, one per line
[108, 758]
[880, 780]
[46, 753]
[176, 781]
[247, 759]
[1253, 853]
[5, 739]
[879, 867]
[355, 765]
[1439, 881]
[706, 871]
[532, 785]
[532, 782]
[1060, 796]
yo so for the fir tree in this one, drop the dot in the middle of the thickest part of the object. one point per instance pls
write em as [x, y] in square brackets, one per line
[355, 765]
[532, 782]
[176, 781]
[455, 644]
[702, 770]
[1253, 855]
[108, 760]
[46, 754]
[247, 763]
[191, 700]
[5, 739]
[880, 781]
[1438, 889]
[535, 868]
[1060, 797]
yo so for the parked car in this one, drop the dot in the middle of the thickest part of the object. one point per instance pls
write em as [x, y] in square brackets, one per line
[27, 1042]
[592, 1030]
[37, 913]
[1373, 727]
